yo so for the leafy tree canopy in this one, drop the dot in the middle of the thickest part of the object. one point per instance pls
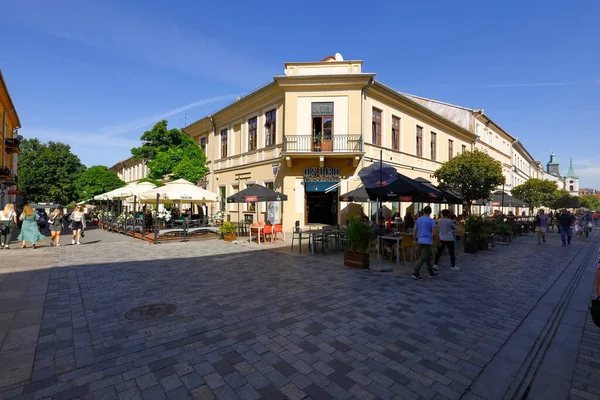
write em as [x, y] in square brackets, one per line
[97, 180]
[473, 175]
[562, 199]
[535, 192]
[590, 201]
[48, 172]
[171, 154]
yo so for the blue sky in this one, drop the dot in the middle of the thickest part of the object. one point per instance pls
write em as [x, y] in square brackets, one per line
[96, 74]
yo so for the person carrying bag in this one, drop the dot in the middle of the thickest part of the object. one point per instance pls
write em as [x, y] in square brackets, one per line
[595, 307]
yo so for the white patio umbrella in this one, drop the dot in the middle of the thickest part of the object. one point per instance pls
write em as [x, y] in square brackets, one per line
[105, 196]
[131, 190]
[179, 191]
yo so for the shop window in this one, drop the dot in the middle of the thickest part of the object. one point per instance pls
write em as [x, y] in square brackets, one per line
[223, 197]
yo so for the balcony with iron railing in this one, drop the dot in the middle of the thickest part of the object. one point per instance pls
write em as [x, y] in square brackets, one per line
[336, 143]
[12, 145]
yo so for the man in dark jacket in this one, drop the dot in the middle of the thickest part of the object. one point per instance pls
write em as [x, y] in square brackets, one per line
[565, 224]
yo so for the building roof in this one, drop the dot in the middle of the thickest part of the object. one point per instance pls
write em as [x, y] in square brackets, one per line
[571, 173]
[10, 102]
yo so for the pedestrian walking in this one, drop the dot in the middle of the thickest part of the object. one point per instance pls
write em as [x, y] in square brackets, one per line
[423, 234]
[30, 231]
[56, 226]
[8, 221]
[598, 275]
[446, 229]
[565, 225]
[596, 217]
[77, 219]
[541, 226]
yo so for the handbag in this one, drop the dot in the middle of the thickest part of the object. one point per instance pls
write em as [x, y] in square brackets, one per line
[3, 227]
[595, 311]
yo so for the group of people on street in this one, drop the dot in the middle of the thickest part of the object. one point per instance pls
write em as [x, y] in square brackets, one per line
[423, 234]
[30, 229]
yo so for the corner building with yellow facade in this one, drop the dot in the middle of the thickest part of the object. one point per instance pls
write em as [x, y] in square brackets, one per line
[314, 127]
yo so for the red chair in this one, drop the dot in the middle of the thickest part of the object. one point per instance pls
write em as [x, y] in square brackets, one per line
[278, 228]
[268, 231]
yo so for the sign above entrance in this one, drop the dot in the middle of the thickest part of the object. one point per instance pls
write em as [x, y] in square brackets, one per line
[321, 109]
[316, 172]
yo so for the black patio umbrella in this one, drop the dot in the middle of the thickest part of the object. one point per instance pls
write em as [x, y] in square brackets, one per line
[358, 195]
[442, 196]
[256, 193]
[502, 199]
[402, 188]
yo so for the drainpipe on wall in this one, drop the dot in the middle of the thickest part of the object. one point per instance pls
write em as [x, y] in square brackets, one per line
[363, 95]
[212, 163]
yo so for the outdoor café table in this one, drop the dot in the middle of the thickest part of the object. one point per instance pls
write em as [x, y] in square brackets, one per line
[398, 239]
[258, 229]
[312, 234]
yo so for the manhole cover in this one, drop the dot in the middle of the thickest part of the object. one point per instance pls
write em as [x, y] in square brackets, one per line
[150, 311]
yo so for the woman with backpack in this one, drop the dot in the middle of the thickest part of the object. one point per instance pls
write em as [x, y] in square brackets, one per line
[8, 221]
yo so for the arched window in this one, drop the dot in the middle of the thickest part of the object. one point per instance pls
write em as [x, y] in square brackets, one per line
[571, 188]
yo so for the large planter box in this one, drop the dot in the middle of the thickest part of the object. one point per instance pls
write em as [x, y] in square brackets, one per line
[327, 145]
[470, 244]
[356, 260]
[229, 237]
[483, 243]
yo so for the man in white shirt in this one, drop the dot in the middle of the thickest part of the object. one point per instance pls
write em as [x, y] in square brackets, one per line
[446, 229]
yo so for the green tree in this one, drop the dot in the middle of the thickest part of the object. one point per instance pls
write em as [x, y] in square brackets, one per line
[590, 201]
[534, 192]
[48, 171]
[96, 180]
[562, 199]
[472, 175]
[171, 154]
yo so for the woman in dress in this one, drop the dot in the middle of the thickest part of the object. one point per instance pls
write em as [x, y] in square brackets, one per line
[8, 220]
[56, 225]
[29, 230]
[77, 225]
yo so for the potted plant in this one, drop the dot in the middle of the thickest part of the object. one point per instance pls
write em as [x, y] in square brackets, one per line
[360, 236]
[473, 231]
[228, 229]
[317, 140]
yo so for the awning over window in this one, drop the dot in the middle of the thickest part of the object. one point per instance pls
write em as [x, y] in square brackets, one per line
[318, 186]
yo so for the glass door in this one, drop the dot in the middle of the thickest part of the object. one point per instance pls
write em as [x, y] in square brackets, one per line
[322, 135]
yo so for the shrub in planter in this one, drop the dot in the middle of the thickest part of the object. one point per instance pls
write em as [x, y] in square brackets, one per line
[360, 236]
[228, 229]
[470, 243]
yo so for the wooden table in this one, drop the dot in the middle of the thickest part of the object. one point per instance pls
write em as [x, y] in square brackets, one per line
[258, 229]
[398, 240]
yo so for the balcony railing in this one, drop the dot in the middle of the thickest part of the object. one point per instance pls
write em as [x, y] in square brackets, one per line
[311, 144]
[12, 145]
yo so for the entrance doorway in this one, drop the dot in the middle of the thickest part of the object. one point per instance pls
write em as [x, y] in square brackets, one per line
[321, 207]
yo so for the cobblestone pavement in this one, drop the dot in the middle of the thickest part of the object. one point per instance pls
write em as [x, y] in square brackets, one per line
[253, 323]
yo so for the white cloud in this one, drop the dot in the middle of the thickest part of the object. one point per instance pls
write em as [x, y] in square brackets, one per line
[588, 171]
[530, 84]
[110, 144]
[139, 36]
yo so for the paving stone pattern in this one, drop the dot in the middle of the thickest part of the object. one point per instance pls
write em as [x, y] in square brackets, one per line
[253, 323]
